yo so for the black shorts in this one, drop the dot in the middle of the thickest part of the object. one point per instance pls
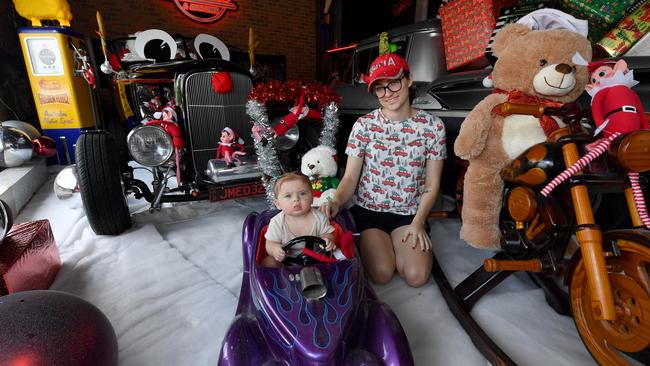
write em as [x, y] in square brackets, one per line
[385, 221]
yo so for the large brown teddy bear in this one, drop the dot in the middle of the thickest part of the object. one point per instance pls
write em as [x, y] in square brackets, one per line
[532, 66]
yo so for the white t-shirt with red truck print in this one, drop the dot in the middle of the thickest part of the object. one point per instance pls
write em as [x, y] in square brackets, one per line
[395, 156]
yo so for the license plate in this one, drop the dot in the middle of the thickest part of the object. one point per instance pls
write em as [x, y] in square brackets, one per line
[236, 191]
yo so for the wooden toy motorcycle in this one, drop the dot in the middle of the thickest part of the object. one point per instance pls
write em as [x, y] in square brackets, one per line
[606, 280]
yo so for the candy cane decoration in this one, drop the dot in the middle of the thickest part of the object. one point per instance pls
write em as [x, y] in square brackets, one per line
[596, 150]
[638, 198]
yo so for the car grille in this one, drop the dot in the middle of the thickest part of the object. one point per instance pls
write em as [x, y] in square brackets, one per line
[208, 112]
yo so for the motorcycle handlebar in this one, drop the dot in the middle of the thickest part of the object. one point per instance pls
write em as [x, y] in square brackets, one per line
[536, 110]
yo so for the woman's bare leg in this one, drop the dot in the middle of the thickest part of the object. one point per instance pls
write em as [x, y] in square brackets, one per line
[377, 255]
[413, 265]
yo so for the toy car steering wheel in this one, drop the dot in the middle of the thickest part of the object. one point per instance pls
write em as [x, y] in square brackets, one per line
[310, 242]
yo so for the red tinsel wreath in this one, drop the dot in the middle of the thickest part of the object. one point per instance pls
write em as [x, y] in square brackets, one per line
[290, 91]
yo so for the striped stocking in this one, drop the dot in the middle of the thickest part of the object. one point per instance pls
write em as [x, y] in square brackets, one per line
[596, 150]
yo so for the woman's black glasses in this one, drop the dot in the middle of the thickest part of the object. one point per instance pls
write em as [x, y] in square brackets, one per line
[393, 85]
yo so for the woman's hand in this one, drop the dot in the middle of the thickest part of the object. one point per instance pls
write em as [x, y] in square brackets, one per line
[416, 235]
[330, 208]
[275, 250]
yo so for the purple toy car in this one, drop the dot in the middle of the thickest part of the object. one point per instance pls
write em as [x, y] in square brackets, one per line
[314, 314]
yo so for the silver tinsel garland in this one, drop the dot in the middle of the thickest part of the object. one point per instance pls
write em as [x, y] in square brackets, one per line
[267, 156]
[330, 115]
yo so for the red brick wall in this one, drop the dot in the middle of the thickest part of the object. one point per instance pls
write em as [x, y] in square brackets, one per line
[284, 27]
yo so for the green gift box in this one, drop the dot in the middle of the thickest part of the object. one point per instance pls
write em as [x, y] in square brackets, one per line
[601, 14]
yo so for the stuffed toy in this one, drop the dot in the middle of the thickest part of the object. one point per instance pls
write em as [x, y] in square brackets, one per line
[231, 147]
[320, 165]
[616, 109]
[546, 67]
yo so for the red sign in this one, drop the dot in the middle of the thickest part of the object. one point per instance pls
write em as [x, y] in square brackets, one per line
[236, 191]
[205, 11]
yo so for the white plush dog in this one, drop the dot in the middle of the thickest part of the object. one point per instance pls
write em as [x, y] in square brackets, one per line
[320, 165]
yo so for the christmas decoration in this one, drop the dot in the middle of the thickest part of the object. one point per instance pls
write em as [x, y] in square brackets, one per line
[29, 258]
[616, 109]
[320, 165]
[467, 26]
[253, 42]
[267, 156]
[489, 140]
[626, 33]
[221, 82]
[601, 14]
[230, 147]
[300, 95]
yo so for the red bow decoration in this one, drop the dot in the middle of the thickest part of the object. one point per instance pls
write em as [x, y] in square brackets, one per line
[515, 96]
[221, 82]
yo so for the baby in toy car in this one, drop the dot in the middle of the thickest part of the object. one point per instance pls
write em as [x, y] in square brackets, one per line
[293, 196]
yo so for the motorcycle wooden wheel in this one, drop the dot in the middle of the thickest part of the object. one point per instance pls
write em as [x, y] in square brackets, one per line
[608, 341]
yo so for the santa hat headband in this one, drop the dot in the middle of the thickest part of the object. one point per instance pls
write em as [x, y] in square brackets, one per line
[169, 109]
[234, 135]
[592, 66]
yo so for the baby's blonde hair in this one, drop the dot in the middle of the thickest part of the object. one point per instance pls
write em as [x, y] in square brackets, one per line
[289, 177]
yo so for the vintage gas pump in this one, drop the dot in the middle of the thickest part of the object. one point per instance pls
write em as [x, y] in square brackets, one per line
[59, 74]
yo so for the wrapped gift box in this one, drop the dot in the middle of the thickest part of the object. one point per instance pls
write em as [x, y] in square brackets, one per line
[29, 258]
[641, 48]
[626, 33]
[601, 14]
[467, 26]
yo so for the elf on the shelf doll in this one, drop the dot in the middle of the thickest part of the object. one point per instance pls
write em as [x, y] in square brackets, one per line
[615, 106]
[616, 109]
[230, 147]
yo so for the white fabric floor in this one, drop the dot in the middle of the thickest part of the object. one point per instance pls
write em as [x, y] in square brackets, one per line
[170, 287]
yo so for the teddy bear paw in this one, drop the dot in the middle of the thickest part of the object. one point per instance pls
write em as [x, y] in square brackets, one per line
[482, 236]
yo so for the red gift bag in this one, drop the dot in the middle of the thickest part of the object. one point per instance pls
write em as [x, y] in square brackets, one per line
[467, 26]
[29, 258]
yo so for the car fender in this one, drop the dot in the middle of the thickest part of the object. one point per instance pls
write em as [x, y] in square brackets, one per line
[244, 344]
[385, 337]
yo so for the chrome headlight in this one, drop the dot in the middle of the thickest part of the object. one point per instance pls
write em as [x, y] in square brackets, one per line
[66, 186]
[150, 145]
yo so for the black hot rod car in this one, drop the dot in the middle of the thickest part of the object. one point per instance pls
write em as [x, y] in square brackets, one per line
[181, 103]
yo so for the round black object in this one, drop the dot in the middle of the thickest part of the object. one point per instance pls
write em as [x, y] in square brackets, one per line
[158, 50]
[54, 328]
[100, 183]
[312, 243]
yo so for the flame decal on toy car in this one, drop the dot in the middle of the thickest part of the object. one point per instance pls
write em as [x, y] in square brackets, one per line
[302, 317]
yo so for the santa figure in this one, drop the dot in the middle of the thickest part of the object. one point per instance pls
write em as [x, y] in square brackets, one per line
[615, 106]
[616, 110]
[231, 146]
[168, 113]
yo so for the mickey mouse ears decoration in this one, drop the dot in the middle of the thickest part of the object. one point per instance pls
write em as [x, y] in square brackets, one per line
[155, 44]
[203, 40]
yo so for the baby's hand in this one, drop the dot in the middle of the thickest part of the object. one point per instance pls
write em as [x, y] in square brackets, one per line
[276, 251]
[329, 244]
